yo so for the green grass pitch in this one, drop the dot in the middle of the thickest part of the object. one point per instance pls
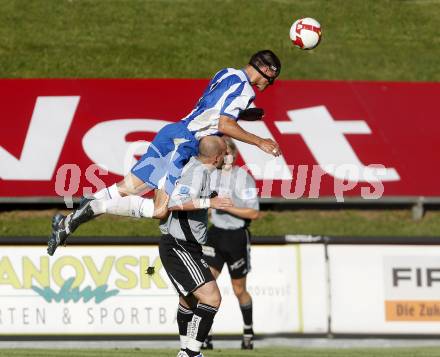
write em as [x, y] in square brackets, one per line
[362, 39]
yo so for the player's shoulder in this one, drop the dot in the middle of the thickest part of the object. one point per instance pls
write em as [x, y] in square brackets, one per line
[233, 79]
[241, 173]
[232, 75]
[193, 167]
[245, 186]
[243, 79]
[240, 170]
[195, 174]
[219, 75]
[240, 74]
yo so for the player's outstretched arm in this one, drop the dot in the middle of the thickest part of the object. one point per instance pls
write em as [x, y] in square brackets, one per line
[196, 204]
[229, 127]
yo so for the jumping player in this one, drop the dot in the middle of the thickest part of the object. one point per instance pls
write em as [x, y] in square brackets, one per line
[228, 95]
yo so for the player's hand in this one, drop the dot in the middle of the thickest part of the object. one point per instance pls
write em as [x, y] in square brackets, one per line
[270, 147]
[221, 202]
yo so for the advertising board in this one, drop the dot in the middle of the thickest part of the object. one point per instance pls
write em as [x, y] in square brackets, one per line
[385, 289]
[339, 139]
[96, 290]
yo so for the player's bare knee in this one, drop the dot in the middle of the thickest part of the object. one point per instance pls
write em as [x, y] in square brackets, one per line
[239, 290]
[123, 190]
[161, 199]
[161, 213]
[132, 185]
[215, 299]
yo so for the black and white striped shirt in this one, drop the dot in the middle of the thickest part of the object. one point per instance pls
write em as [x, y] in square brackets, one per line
[194, 183]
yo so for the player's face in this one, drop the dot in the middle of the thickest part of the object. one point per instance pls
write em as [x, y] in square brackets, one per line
[264, 81]
[230, 156]
[221, 159]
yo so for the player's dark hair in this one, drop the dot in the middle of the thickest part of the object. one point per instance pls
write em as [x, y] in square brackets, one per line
[266, 58]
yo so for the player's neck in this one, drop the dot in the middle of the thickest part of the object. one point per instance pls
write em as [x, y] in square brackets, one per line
[252, 74]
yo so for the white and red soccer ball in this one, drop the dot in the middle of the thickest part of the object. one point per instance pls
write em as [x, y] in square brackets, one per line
[306, 33]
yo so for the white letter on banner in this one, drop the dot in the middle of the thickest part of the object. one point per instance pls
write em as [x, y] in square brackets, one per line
[106, 146]
[45, 138]
[270, 168]
[325, 139]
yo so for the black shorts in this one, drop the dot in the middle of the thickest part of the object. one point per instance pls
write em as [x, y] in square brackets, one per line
[184, 263]
[230, 246]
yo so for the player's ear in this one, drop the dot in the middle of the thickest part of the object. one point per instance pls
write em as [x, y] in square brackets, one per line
[218, 160]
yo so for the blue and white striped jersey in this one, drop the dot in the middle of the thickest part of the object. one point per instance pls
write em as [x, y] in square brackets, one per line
[228, 93]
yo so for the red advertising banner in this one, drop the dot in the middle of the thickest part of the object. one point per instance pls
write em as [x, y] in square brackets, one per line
[339, 139]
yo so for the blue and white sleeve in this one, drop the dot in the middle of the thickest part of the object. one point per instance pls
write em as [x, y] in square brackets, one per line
[236, 101]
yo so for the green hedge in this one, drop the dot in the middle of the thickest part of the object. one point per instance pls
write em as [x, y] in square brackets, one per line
[316, 222]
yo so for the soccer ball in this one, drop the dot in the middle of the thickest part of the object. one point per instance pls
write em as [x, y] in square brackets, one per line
[305, 33]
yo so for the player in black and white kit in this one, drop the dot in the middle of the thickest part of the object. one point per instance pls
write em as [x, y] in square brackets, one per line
[229, 238]
[180, 247]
